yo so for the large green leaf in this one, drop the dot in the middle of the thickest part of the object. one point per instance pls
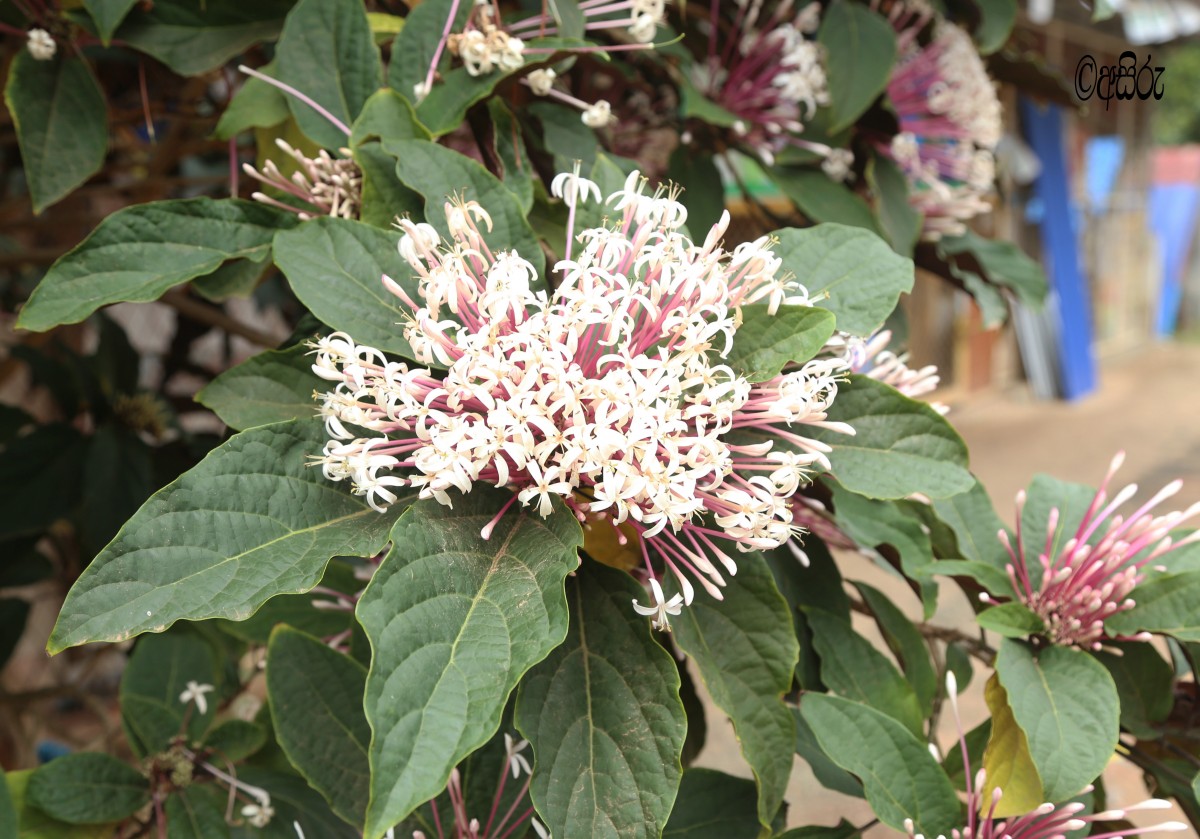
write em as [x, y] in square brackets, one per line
[860, 47]
[257, 104]
[454, 621]
[899, 219]
[107, 15]
[61, 119]
[603, 715]
[387, 115]
[823, 200]
[746, 650]
[713, 805]
[1001, 263]
[862, 275]
[853, 668]
[272, 386]
[158, 672]
[1067, 705]
[764, 343]
[703, 188]
[906, 643]
[819, 583]
[118, 476]
[47, 466]
[302, 611]
[336, 266]
[251, 520]
[1011, 620]
[1169, 605]
[139, 252]
[439, 173]
[827, 773]
[1046, 493]
[87, 788]
[996, 23]
[900, 446]
[327, 52]
[34, 824]
[1146, 684]
[509, 148]
[873, 524]
[195, 37]
[976, 526]
[901, 778]
[316, 705]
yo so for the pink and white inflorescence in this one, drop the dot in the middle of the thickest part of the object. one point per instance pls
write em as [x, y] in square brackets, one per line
[609, 393]
[1047, 821]
[1092, 575]
[950, 121]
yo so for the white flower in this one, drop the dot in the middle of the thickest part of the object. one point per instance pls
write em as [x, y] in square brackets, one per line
[571, 188]
[195, 693]
[516, 761]
[41, 45]
[259, 815]
[598, 115]
[662, 608]
[837, 164]
[540, 829]
[540, 81]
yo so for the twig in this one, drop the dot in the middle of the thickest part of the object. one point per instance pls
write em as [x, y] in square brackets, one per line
[212, 316]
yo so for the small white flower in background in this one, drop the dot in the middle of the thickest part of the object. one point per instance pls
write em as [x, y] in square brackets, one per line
[598, 115]
[837, 164]
[571, 188]
[662, 608]
[420, 91]
[259, 815]
[540, 81]
[41, 45]
[195, 693]
[540, 829]
[516, 761]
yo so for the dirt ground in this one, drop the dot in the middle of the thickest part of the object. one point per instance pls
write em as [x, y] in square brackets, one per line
[1147, 404]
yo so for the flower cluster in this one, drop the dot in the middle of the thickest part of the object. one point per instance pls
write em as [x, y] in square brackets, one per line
[609, 394]
[40, 44]
[330, 186]
[767, 73]
[640, 18]
[872, 358]
[950, 121]
[1093, 573]
[1047, 820]
[483, 46]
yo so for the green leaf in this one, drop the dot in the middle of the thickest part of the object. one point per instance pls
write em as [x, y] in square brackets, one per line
[118, 475]
[873, 524]
[300, 610]
[34, 824]
[1168, 605]
[250, 521]
[61, 119]
[257, 104]
[272, 386]
[695, 105]
[438, 173]
[87, 788]
[995, 25]
[158, 672]
[454, 622]
[238, 278]
[860, 48]
[1011, 620]
[906, 643]
[900, 446]
[1146, 684]
[899, 219]
[828, 774]
[335, 266]
[139, 252]
[1001, 263]
[901, 778]
[713, 805]
[13, 613]
[8, 812]
[565, 136]
[509, 147]
[976, 527]
[603, 715]
[412, 51]
[387, 115]
[823, 200]
[384, 197]
[992, 579]
[234, 740]
[842, 830]
[817, 584]
[107, 15]
[765, 343]
[193, 38]
[745, 650]
[1067, 705]
[316, 704]
[326, 51]
[46, 464]
[703, 188]
[853, 668]
[1044, 494]
[862, 275]
[1007, 759]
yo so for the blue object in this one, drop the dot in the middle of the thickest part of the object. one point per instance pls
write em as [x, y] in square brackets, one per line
[1173, 221]
[1077, 365]
[47, 750]
[1103, 159]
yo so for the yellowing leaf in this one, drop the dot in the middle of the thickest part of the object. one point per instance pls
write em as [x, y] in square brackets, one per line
[601, 544]
[1007, 760]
